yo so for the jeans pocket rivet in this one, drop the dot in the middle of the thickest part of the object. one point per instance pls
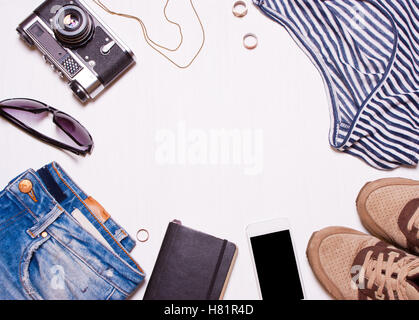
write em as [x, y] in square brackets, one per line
[44, 234]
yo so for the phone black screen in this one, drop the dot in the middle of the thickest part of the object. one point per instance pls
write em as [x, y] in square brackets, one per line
[276, 266]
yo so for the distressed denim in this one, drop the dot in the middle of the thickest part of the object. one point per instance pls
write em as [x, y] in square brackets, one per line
[46, 253]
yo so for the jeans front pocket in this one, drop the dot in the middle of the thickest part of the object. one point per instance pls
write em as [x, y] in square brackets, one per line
[50, 271]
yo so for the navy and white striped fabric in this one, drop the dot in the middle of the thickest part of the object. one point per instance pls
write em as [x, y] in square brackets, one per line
[368, 54]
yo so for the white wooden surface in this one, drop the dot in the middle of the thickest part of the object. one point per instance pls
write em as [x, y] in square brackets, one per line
[273, 93]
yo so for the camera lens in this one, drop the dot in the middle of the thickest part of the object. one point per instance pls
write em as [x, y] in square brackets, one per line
[71, 21]
[72, 26]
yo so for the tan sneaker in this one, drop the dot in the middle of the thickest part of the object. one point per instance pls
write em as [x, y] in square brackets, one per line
[355, 266]
[389, 209]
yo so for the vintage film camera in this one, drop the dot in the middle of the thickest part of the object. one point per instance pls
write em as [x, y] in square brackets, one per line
[78, 45]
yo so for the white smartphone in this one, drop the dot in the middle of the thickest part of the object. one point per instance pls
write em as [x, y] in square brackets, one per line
[275, 261]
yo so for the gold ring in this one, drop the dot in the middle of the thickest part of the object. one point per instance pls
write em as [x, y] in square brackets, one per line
[240, 9]
[143, 231]
[248, 43]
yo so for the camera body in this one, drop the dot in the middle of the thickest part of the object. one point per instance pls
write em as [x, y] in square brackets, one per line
[78, 45]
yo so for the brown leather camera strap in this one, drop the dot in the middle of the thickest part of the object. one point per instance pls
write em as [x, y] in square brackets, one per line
[154, 44]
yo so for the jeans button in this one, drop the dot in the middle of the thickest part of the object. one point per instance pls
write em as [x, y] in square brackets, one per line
[44, 234]
[25, 186]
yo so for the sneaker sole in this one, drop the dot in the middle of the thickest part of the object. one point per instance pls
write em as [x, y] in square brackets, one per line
[313, 256]
[361, 205]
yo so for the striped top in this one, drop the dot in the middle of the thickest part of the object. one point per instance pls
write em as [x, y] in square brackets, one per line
[368, 54]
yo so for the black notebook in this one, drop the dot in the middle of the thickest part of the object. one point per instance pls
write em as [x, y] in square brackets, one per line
[191, 265]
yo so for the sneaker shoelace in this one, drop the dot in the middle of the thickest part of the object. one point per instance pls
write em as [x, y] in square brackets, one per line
[414, 222]
[387, 275]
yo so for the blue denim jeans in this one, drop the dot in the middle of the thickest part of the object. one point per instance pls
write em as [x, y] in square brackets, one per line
[57, 243]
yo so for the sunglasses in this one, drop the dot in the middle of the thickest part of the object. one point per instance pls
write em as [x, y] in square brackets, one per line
[24, 113]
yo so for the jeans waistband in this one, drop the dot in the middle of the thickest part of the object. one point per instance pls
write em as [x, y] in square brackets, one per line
[29, 191]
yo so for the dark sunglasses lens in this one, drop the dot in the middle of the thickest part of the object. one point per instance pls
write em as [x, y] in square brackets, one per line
[28, 115]
[25, 104]
[74, 129]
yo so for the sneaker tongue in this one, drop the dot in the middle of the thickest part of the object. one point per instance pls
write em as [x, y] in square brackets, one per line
[412, 291]
[414, 273]
[412, 284]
